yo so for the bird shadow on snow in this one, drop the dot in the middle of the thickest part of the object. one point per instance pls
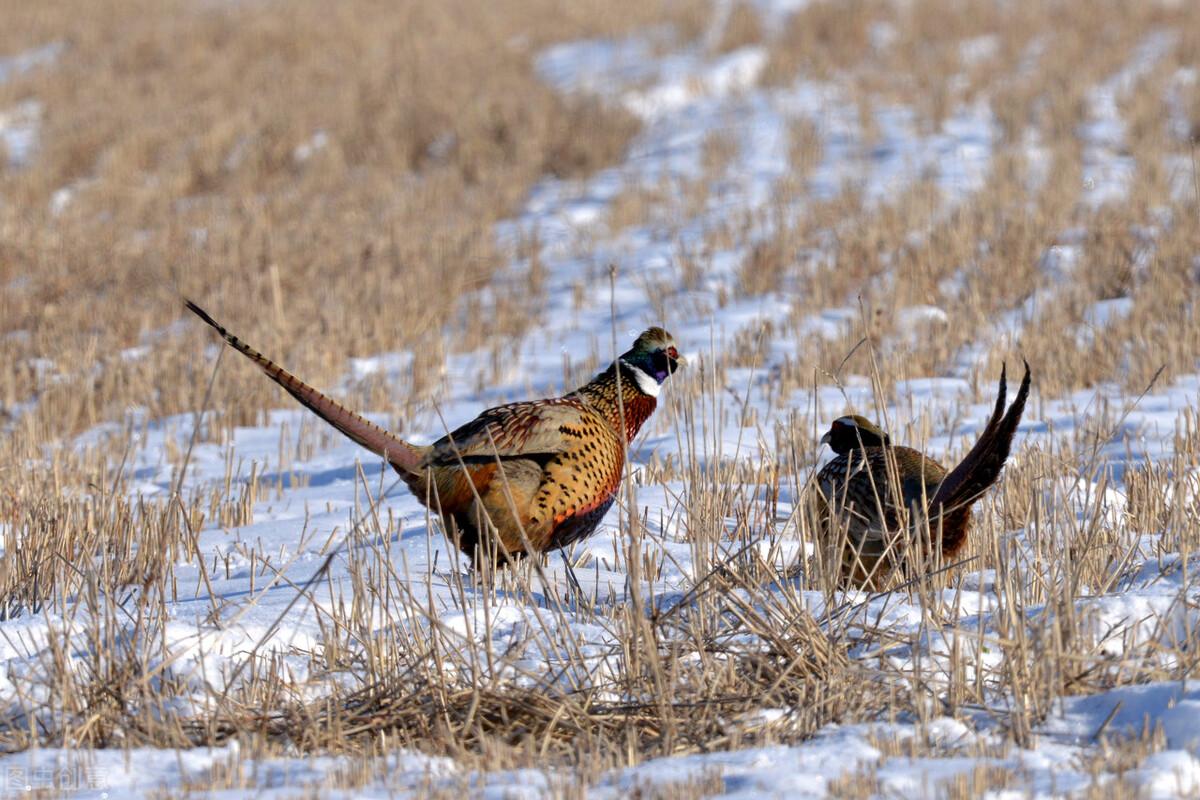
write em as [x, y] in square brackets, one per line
[292, 479]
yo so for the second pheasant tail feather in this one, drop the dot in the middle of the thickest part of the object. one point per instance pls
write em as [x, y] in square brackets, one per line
[980, 468]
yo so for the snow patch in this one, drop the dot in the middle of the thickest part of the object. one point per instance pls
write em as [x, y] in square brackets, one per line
[19, 127]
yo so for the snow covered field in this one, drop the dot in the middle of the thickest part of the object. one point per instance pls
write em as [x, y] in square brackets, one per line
[1056, 665]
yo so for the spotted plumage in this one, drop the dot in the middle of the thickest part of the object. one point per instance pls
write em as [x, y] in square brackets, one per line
[874, 498]
[524, 477]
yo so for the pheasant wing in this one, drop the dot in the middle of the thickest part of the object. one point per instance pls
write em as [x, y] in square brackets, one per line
[528, 430]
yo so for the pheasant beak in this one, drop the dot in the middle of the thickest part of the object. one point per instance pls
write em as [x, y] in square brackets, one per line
[674, 360]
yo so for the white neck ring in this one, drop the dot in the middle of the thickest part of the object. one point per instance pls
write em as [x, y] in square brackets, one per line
[645, 382]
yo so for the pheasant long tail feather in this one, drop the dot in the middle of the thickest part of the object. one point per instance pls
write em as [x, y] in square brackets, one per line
[398, 452]
[981, 467]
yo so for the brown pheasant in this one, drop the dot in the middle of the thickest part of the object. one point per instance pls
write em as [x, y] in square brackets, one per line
[524, 477]
[873, 498]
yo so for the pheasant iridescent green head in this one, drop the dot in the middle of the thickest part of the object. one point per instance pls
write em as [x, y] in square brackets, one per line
[652, 359]
[849, 433]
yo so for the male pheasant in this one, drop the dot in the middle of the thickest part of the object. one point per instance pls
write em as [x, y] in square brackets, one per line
[521, 478]
[874, 498]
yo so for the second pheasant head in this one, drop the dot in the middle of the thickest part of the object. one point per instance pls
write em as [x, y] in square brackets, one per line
[655, 356]
[849, 433]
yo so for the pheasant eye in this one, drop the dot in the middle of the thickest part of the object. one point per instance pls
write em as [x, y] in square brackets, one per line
[673, 353]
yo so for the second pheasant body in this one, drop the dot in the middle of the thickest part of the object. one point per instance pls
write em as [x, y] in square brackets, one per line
[874, 498]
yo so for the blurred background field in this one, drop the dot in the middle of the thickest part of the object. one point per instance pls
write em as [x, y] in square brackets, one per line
[858, 205]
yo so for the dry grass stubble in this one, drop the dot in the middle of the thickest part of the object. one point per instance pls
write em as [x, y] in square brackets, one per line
[186, 175]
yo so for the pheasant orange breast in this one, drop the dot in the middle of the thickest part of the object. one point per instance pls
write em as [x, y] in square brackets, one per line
[524, 477]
